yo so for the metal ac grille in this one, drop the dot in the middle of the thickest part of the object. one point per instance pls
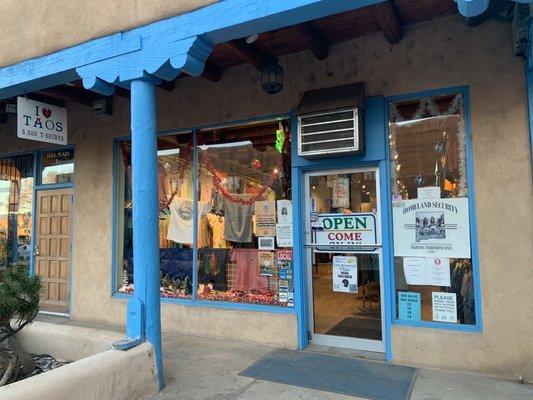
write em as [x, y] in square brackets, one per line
[328, 133]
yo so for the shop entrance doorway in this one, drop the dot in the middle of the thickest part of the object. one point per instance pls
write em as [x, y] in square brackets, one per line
[53, 247]
[344, 259]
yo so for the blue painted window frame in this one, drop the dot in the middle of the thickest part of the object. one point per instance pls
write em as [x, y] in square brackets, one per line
[193, 301]
[478, 327]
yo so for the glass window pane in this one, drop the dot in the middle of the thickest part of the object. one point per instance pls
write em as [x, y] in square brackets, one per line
[57, 166]
[433, 262]
[16, 200]
[175, 191]
[348, 307]
[245, 215]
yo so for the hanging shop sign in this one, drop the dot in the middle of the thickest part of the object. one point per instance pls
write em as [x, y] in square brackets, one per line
[344, 274]
[341, 193]
[439, 228]
[345, 232]
[41, 122]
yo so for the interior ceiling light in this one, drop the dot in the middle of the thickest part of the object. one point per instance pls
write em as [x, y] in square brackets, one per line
[252, 38]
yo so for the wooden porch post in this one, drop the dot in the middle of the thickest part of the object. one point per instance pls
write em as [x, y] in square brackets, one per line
[145, 218]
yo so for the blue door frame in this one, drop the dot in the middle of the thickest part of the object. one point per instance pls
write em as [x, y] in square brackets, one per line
[375, 156]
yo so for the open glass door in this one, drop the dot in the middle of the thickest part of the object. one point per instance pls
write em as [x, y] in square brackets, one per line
[344, 260]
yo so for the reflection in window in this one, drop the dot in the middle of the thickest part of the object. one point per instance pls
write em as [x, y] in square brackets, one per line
[244, 196]
[16, 194]
[57, 166]
[428, 162]
[175, 192]
[243, 240]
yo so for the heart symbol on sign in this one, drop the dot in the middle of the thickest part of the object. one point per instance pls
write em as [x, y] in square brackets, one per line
[47, 112]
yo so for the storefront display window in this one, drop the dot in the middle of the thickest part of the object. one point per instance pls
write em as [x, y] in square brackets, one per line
[245, 215]
[175, 189]
[434, 276]
[57, 166]
[16, 199]
[239, 195]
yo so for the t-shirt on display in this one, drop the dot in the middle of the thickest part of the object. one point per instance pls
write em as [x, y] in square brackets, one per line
[180, 227]
[238, 221]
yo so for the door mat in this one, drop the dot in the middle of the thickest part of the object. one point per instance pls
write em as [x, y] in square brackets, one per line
[343, 375]
[357, 327]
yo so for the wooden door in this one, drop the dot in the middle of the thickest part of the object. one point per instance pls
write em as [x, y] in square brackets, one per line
[53, 246]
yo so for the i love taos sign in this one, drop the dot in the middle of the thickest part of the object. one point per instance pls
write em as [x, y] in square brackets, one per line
[40, 121]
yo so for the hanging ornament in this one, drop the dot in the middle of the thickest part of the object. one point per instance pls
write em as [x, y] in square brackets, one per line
[439, 147]
[419, 180]
[256, 164]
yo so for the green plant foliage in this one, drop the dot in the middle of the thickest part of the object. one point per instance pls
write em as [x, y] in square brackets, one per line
[19, 298]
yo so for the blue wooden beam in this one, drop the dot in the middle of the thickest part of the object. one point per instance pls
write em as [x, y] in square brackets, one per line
[164, 48]
[146, 276]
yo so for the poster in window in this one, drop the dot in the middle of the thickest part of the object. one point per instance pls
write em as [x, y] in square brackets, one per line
[409, 306]
[439, 228]
[345, 274]
[434, 271]
[266, 263]
[284, 235]
[341, 193]
[284, 211]
[444, 307]
[265, 242]
[265, 214]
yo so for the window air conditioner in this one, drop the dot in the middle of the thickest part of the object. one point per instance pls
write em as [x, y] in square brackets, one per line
[330, 122]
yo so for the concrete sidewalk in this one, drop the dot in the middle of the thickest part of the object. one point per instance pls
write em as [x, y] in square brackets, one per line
[201, 368]
[198, 368]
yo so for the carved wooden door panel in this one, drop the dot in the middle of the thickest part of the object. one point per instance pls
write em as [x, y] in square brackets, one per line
[53, 246]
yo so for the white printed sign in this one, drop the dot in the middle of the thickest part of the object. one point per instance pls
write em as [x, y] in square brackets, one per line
[428, 193]
[345, 274]
[41, 122]
[444, 307]
[284, 208]
[284, 235]
[265, 242]
[434, 271]
[439, 228]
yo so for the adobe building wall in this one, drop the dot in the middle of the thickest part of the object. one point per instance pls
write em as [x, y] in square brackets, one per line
[432, 55]
[33, 28]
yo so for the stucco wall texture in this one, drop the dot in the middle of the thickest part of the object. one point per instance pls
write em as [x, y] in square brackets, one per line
[432, 55]
[33, 28]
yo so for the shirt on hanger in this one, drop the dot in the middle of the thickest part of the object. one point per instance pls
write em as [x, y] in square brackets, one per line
[216, 225]
[238, 221]
[180, 227]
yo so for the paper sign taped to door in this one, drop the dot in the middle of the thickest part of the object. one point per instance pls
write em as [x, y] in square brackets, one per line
[345, 274]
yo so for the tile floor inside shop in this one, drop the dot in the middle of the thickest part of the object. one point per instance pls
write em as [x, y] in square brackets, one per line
[332, 308]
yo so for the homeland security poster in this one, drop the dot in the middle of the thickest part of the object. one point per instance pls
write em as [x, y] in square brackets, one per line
[437, 228]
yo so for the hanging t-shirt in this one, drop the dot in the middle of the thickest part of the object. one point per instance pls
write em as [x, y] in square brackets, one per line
[216, 225]
[180, 226]
[238, 221]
